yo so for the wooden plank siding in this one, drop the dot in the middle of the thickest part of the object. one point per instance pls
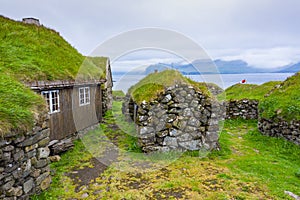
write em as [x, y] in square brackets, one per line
[72, 117]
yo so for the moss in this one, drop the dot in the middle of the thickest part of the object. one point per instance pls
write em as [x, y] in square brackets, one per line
[248, 91]
[284, 101]
[28, 53]
[150, 87]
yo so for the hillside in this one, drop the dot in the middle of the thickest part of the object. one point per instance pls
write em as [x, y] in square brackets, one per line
[249, 91]
[28, 53]
[284, 101]
[209, 67]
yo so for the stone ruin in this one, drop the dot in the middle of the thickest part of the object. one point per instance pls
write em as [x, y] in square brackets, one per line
[182, 118]
[31, 20]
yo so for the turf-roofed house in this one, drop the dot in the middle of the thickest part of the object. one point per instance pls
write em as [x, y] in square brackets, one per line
[49, 92]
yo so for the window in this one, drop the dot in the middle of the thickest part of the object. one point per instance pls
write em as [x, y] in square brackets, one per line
[84, 96]
[52, 98]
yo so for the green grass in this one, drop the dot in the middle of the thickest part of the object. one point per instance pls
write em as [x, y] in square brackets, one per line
[150, 87]
[30, 53]
[249, 91]
[17, 105]
[283, 102]
[248, 166]
[118, 93]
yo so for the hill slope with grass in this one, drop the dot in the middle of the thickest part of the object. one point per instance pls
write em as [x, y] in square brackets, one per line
[154, 84]
[284, 101]
[249, 91]
[29, 53]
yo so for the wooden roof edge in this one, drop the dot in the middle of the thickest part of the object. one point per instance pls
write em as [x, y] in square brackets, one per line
[61, 83]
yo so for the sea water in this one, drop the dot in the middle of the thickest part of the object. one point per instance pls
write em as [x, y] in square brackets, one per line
[124, 82]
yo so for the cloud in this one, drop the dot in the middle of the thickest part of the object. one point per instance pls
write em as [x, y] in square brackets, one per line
[264, 32]
[263, 58]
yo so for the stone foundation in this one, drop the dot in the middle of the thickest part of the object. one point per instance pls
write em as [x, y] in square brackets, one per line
[24, 167]
[245, 108]
[280, 128]
[181, 118]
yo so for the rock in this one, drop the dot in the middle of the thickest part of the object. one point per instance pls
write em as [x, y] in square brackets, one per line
[55, 158]
[42, 177]
[43, 152]
[44, 142]
[145, 130]
[8, 148]
[61, 146]
[212, 136]
[15, 191]
[8, 185]
[6, 156]
[46, 183]
[35, 173]
[185, 137]
[191, 145]
[18, 155]
[19, 139]
[37, 137]
[162, 133]
[28, 185]
[31, 147]
[170, 142]
[41, 163]
[84, 195]
[175, 132]
[187, 112]
[31, 154]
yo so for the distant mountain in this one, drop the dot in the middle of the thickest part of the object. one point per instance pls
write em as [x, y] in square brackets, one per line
[291, 68]
[208, 67]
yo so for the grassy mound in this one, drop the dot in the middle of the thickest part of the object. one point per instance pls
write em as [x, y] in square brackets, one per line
[249, 91]
[154, 84]
[28, 53]
[284, 101]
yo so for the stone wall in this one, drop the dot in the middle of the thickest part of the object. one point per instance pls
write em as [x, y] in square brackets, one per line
[280, 128]
[245, 108]
[181, 118]
[24, 167]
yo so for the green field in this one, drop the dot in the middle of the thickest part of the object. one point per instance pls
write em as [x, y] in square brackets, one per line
[249, 166]
[284, 101]
[249, 91]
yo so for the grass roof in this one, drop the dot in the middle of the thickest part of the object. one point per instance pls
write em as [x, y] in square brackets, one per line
[150, 87]
[284, 101]
[29, 53]
[248, 91]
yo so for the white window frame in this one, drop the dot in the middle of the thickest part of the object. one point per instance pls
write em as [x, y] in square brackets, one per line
[52, 101]
[84, 96]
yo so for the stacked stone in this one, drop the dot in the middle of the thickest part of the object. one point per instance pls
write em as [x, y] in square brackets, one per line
[181, 118]
[104, 100]
[245, 108]
[281, 128]
[24, 167]
[128, 108]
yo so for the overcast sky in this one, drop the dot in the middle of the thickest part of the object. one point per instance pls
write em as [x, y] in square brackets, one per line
[265, 33]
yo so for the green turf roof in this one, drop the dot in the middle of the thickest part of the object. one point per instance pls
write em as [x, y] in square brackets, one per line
[30, 53]
[154, 84]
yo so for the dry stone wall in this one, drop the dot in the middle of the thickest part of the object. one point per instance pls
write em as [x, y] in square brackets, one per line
[24, 166]
[281, 128]
[181, 118]
[245, 108]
